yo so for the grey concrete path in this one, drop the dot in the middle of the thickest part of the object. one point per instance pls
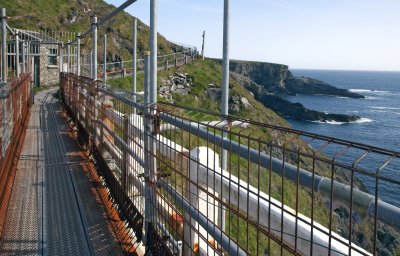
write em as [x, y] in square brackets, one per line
[54, 207]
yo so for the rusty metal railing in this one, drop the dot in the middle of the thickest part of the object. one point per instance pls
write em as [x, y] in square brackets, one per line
[15, 101]
[283, 192]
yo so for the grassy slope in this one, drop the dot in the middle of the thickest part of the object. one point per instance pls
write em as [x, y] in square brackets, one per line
[209, 71]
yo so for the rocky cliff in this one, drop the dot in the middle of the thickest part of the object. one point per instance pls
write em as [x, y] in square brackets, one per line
[286, 108]
[271, 76]
[277, 78]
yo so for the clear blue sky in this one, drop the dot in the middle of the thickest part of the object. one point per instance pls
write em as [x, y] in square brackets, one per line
[315, 34]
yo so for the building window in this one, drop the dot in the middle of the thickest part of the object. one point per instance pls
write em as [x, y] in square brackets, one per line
[53, 57]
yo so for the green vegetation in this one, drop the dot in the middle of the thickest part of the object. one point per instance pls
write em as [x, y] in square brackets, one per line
[74, 16]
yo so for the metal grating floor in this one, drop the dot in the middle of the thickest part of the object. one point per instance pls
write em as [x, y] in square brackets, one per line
[54, 207]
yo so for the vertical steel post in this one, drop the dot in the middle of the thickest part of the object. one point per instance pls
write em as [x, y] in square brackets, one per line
[202, 47]
[146, 188]
[28, 57]
[17, 68]
[225, 61]
[94, 56]
[78, 54]
[125, 155]
[68, 56]
[105, 60]
[151, 129]
[61, 58]
[225, 89]
[153, 51]
[134, 57]
[94, 77]
[146, 78]
[23, 57]
[91, 63]
[4, 65]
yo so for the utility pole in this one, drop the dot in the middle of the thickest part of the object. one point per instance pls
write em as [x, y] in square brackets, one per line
[202, 47]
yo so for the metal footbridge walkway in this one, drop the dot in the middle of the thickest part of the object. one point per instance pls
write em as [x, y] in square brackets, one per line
[86, 169]
[54, 207]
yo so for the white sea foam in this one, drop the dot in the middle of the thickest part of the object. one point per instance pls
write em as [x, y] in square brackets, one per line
[367, 91]
[328, 122]
[384, 108]
[363, 120]
[359, 121]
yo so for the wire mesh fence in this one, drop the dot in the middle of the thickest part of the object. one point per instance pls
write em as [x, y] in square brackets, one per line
[283, 192]
[15, 100]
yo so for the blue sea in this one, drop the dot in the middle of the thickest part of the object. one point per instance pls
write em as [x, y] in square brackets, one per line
[379, 111]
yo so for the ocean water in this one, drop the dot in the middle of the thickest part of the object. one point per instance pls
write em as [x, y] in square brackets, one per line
[379, 111]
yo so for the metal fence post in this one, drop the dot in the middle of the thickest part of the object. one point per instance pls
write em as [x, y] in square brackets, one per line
[23, 57]
[146, 187]
[134, 63]
[94, 77]
[225, 90]
[125, 154]
[105, 60]
[17, 68]
[78, 54]
[69, 56]
[28, 57]
[153, 51]
[94, 56]
[61, 58]
[4, 65]
[91, 63]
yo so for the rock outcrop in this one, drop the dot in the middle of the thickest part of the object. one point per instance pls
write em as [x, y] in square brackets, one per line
[277, 78]
[178, 83]
[306, 85]
[286, 108]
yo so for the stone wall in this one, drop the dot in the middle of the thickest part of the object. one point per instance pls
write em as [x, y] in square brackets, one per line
[49, 74]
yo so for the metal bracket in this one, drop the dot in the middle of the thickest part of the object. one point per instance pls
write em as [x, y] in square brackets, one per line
[156, 124]
[145, 177]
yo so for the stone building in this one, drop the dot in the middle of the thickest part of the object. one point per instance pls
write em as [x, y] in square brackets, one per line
[44, 56]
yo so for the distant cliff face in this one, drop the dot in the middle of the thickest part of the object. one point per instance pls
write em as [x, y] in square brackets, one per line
[277, 78]
[272, 76]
